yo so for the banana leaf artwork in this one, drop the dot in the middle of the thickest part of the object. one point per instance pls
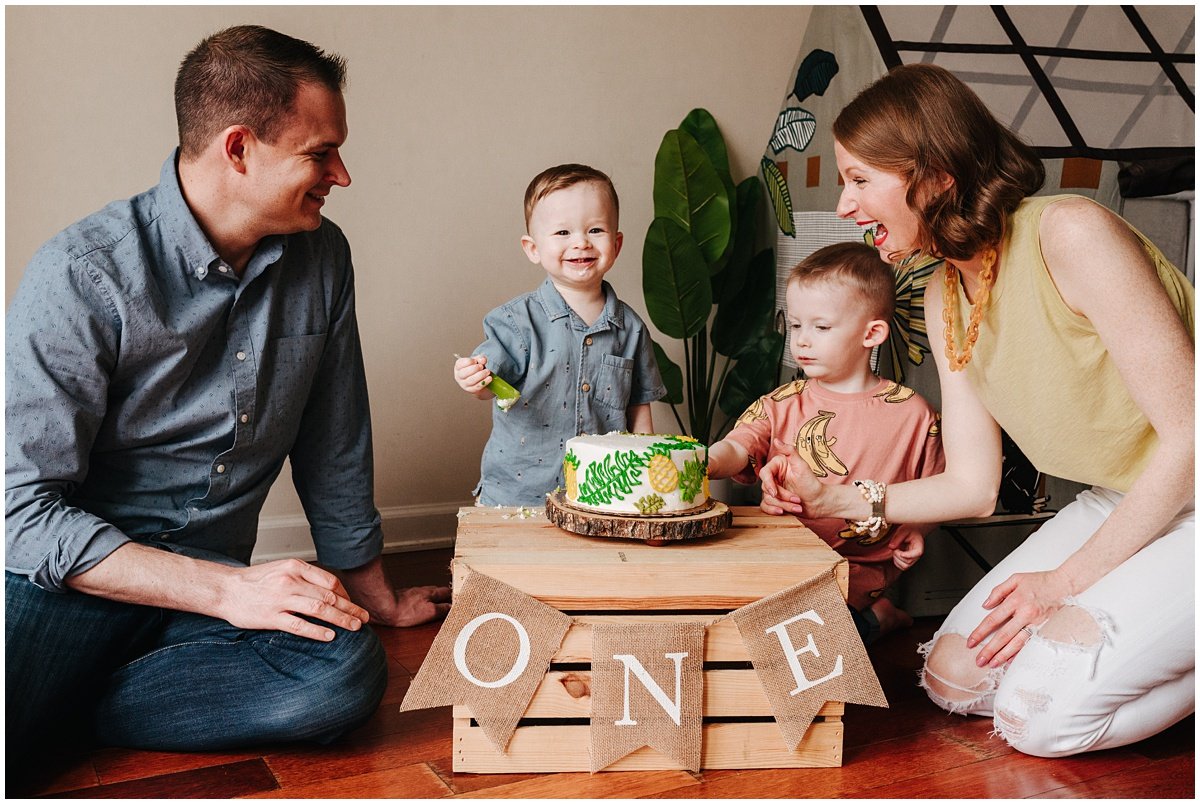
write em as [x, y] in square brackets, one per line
[909, 336]
[794, 128]
[781, 199]
[815, 72]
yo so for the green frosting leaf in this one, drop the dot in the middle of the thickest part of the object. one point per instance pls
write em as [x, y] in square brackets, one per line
[650, 504]
[691, 479]
[611, 479]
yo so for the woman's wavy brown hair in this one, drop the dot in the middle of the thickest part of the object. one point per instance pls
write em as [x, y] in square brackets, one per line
[922, 123]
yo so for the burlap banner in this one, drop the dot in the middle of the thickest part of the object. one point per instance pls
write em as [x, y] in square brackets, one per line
[806, 651]
[647, 689]
[490, 654]
[647, 679]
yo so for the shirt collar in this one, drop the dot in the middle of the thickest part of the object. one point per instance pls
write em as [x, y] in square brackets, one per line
[190, 243]
[199, 257]
[556, 306]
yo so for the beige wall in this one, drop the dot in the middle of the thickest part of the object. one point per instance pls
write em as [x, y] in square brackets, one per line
[451, 110]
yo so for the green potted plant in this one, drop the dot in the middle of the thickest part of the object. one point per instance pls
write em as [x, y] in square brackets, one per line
[704, 283]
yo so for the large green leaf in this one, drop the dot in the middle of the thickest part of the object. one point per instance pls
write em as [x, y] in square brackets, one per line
[754, 375]
[672, 376]
[703, 128]
[744, 318]
[701, 125]
[675, 280]
[689, 191]
[729, 283]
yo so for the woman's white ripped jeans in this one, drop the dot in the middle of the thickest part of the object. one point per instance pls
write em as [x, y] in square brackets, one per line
[1113, 666]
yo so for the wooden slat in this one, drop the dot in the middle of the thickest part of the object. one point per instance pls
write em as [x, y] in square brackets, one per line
[555, 749]
[579, 573]
[722, 643]
[727, 693]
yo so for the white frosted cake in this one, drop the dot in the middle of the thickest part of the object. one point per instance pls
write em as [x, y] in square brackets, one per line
[634, 474]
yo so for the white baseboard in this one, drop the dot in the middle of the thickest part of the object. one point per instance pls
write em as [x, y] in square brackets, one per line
[405, 528]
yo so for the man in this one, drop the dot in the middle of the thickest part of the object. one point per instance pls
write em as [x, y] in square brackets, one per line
[163, 357]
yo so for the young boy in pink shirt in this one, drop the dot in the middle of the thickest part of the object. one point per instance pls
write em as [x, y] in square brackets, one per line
[843, 420]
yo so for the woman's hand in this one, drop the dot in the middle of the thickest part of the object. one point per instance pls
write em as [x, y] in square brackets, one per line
[1023, 601]
[787, 485]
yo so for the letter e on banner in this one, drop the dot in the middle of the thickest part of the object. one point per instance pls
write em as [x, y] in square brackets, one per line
[793, 655]
[460, 651]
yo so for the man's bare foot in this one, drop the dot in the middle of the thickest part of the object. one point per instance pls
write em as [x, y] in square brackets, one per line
[890, 618]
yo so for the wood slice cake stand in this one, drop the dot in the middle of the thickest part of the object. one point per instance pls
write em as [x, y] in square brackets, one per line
[708, 521]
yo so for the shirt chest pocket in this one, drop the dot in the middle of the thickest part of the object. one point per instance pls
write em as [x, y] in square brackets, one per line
[614, 382]
[293, 365]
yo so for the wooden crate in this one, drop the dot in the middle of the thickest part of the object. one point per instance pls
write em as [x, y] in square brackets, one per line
[596, 580]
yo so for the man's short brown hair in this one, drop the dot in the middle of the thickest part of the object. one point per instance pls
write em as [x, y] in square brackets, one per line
[561, 177]
[856, 266]
[246, 75]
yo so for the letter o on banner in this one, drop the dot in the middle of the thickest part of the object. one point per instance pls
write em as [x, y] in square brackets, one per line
[464, 636]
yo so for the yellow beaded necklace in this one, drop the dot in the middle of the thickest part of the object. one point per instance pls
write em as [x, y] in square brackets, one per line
[987, 277]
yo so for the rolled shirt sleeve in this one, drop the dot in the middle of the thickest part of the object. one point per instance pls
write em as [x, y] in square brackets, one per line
[60, 345]
[332, 459]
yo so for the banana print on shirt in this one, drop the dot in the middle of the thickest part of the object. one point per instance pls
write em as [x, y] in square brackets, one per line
[815, 446]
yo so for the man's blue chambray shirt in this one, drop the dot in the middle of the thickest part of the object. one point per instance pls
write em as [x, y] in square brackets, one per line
[573, 379]
[152, 395]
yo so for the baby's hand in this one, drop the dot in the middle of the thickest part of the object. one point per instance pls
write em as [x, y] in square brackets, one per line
[906, 549]
[472, 375]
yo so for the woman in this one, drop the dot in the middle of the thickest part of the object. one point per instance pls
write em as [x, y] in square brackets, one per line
[1069, 330]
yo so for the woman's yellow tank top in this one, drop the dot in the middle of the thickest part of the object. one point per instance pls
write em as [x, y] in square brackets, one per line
[1045, 376]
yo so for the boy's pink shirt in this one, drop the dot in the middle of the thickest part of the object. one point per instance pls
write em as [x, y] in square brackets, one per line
[869, 436]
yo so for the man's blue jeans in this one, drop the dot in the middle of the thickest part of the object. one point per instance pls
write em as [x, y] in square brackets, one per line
[154, 678]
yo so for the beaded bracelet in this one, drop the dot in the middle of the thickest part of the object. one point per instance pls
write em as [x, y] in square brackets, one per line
[873, 492]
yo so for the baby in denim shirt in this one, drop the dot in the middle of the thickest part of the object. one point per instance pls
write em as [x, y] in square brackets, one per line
[581, 358]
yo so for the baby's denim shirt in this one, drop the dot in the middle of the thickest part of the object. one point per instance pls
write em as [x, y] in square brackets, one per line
[573, 378]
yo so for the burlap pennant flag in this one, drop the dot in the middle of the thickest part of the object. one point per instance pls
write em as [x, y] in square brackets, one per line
[647, 689]
[806, 651]
[490, 654]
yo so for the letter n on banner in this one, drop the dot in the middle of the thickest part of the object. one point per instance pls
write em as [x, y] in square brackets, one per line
[806, 651]
[647, 689]
[491, 654]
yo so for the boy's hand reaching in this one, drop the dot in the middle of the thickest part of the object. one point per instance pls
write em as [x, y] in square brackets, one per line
[907, 547]
[472, 376]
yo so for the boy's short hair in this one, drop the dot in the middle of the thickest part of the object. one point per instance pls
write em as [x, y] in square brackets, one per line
[855, 265]
[561, 177]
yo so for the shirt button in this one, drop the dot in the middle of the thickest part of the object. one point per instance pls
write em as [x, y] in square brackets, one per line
[244, 418]
[586, 387]
[241, 355]
[223, 268]
[588, 341]
[220, 468]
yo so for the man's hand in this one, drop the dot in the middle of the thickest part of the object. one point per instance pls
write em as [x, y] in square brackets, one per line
[271, 596]
[276, 596]
[413, 606]
[393, 606]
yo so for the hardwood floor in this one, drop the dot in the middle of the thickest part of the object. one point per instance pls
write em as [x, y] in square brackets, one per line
[912, 750]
